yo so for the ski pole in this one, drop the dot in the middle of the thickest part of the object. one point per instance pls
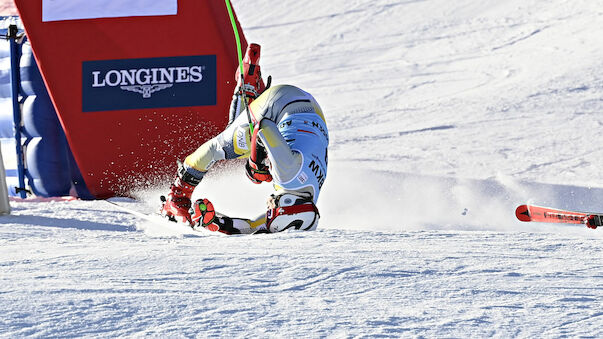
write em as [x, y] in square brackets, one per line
[240, 55]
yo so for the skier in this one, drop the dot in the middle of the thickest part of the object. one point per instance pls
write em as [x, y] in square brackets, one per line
[282, 131]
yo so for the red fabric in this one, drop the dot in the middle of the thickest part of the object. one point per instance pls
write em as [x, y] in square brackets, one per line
[137, 144]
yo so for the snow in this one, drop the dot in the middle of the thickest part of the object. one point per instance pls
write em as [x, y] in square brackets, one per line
[443, 115]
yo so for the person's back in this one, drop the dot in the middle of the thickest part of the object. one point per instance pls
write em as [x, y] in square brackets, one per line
[286, 144]
[295, 119]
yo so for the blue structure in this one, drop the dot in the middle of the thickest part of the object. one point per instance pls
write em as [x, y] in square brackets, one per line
[36, 153]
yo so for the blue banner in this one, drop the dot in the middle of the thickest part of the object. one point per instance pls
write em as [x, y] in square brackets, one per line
[109, 85]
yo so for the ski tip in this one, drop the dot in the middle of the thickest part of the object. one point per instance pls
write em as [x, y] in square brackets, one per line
[523, 213]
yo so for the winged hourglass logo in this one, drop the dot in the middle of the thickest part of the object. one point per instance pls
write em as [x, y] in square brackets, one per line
[146, 90]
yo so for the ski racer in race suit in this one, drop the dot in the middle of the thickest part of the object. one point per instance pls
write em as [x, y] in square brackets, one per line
[286, 146]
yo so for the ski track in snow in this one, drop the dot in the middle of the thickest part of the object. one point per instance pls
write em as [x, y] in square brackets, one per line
[332, 282]
[443, 116]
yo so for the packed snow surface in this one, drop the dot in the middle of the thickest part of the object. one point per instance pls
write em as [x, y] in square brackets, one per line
[443, 116]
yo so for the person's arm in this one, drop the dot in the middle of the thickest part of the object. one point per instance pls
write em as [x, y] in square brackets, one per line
[284, 162]
[204, 215]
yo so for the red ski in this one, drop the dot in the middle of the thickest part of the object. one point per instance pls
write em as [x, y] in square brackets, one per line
[529, 213]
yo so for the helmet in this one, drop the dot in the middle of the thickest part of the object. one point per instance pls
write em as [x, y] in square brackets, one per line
[291, 211]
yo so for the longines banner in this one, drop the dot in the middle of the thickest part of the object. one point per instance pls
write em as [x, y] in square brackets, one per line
[128, 79]
[148, 83]
[55, 10]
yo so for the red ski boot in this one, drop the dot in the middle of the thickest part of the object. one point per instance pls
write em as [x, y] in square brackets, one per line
[178, 203]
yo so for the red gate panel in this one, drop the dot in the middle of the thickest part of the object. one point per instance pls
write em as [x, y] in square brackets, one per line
[134, 94]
